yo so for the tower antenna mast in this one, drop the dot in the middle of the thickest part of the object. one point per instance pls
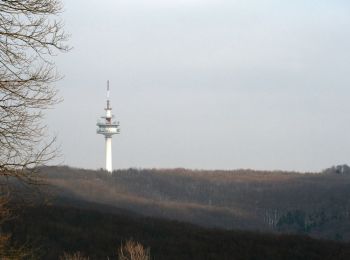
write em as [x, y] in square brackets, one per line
[108, 94]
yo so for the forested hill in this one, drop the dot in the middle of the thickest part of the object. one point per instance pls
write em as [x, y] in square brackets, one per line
[49, 231]
[317, 204]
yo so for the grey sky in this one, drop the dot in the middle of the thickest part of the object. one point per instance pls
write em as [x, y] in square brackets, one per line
[207, 84]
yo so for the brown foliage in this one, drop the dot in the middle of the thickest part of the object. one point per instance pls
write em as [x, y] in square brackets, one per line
[75, 256]
[132, 250]
[7, 251]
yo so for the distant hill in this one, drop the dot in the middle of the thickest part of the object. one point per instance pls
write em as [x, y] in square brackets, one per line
[316, 204]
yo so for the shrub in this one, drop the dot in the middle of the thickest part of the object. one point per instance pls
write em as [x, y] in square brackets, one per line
[133, 251]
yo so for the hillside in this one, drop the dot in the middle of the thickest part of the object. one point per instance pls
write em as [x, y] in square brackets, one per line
[317, 204]
[51, 230]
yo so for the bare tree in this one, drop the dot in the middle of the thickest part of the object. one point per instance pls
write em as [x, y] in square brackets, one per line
[31, 33]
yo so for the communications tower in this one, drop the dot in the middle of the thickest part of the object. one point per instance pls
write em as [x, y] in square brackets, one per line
[108, 128]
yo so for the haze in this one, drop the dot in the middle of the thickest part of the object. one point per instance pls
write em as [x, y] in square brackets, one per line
[207, 84]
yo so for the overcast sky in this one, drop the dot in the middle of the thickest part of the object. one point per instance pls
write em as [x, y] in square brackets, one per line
[207, 84]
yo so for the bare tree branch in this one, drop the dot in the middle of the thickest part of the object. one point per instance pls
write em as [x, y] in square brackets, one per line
[31, 33]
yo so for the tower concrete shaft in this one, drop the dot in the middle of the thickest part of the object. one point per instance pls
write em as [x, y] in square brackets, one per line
[109, 167]
[108, 128]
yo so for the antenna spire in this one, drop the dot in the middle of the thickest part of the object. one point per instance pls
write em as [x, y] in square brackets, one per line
[108, 94]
